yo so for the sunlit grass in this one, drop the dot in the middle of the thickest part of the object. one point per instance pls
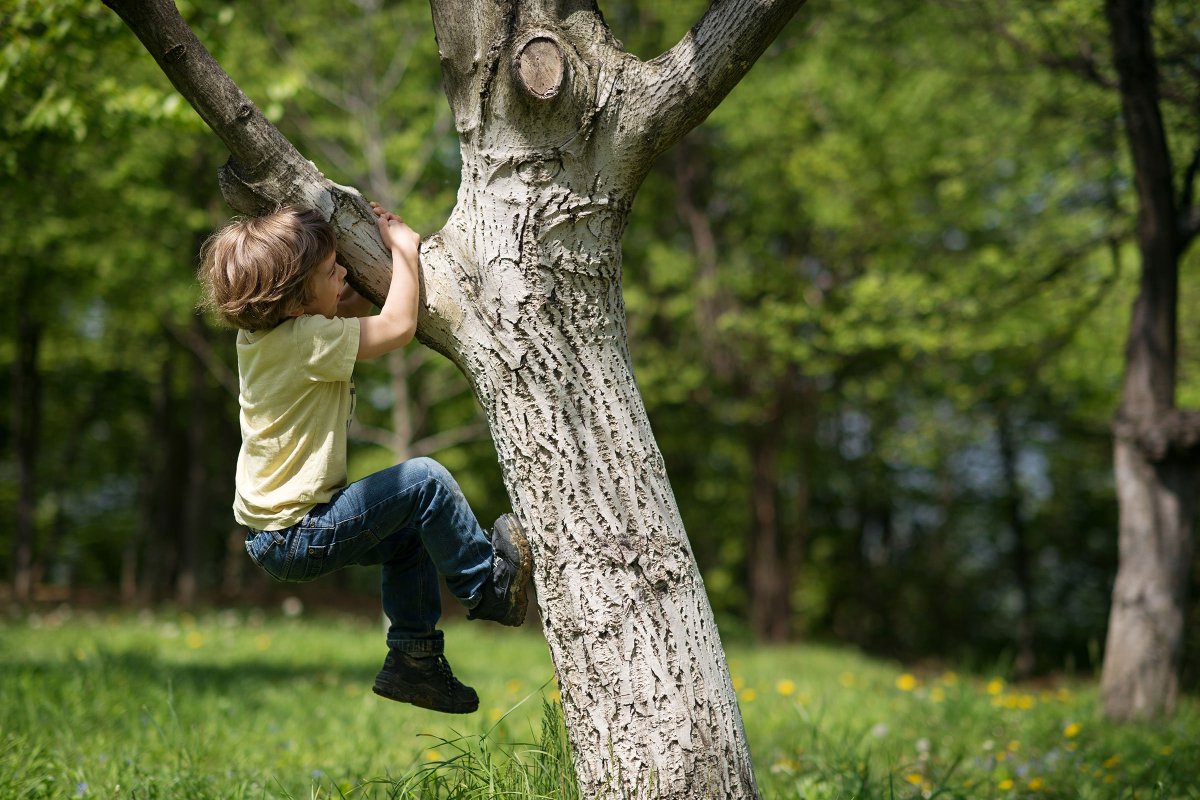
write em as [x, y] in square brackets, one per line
[237, 705]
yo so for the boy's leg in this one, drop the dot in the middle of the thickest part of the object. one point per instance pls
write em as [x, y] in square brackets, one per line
[413, 520]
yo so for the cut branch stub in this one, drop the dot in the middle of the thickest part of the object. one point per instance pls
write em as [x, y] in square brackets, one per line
[538, 66]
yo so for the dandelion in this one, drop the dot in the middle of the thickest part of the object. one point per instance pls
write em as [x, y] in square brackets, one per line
[937, 694]
[494, 714]
[194, 640]
[848, 680]
[1005, 784]
[786, 687]
[433, 755]
[915, 778]
[1111, 762]
[1014, 746]
[262, 642]
[1072, 730]
[748, 695]
[738, 683]
[512, 686]
[950, 678]
[995, 686]
[1036, 784]
[906, 682]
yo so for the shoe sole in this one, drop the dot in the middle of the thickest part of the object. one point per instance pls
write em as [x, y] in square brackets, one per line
[421, 702]
[507, 528]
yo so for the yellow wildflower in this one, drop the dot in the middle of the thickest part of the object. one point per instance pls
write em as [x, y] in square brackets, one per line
[194, 640]
[1072, 730]
[748, 695]
[1036, 784]
[1111, 762]
[1005, 784]
[786, 687]
[906, 682]
[915, 778]
[995, 686]
[848, 680]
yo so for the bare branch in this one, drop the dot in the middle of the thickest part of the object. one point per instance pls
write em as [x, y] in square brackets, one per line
[686, 83]
[444, 439]
[202, 349]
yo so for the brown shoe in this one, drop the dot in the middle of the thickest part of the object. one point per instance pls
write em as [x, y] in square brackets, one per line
[505, 599]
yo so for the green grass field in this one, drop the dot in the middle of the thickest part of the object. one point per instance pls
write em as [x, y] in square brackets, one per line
[246, 705]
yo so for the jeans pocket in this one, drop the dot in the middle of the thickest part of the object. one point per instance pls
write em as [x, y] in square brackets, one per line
[308, 561]
[268, 550]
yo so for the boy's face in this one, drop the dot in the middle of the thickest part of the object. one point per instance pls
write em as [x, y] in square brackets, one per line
[326, 284]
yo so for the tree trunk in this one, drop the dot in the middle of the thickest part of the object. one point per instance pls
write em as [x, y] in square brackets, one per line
[522, 290]
[1026, 661]
[194, 504]
[26, 425]
[1155, 444]
[769, 589]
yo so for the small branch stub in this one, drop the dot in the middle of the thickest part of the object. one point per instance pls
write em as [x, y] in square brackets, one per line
[539, 66]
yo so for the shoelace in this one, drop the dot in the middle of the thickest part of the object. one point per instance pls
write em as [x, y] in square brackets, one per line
[443, 667]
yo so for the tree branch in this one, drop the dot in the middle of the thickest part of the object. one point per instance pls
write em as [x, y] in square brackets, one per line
[265, 170]
[685, 84]
[1173, 434]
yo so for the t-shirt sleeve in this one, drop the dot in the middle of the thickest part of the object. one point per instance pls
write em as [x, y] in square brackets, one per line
[326, 348]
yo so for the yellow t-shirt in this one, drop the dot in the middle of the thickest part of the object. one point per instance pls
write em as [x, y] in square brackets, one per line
[296, 401]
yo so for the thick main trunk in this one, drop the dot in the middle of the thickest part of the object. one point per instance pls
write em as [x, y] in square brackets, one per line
[535, 317]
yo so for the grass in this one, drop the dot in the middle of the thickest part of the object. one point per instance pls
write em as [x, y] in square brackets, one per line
[247, 705]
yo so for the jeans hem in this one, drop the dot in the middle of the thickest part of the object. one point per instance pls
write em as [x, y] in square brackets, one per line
[422, 646]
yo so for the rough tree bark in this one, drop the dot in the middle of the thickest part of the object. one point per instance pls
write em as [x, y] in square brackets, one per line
[521, 289]
[1155, 444]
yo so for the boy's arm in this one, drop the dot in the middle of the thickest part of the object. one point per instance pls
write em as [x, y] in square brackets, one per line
[396, 322]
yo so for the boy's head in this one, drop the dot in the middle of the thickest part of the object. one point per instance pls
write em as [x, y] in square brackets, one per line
[256, 271]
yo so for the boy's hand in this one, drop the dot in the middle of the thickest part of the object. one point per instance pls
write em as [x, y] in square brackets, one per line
[394, 232]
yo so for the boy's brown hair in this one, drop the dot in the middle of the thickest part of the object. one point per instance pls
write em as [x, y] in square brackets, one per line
[256, 270]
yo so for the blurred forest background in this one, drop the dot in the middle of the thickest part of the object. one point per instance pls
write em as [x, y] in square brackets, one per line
[877, 302]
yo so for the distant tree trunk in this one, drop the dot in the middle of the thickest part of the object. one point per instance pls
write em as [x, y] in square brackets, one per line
[1155, 444]
[769, 587]
[1026, 661]
[26, 420]
[190, 528]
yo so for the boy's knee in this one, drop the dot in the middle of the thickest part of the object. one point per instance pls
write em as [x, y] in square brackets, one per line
[428, 469]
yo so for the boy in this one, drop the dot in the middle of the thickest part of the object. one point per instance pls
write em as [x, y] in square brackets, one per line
[276, 279]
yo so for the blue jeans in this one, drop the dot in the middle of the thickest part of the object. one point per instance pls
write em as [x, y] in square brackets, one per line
[411, 518]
